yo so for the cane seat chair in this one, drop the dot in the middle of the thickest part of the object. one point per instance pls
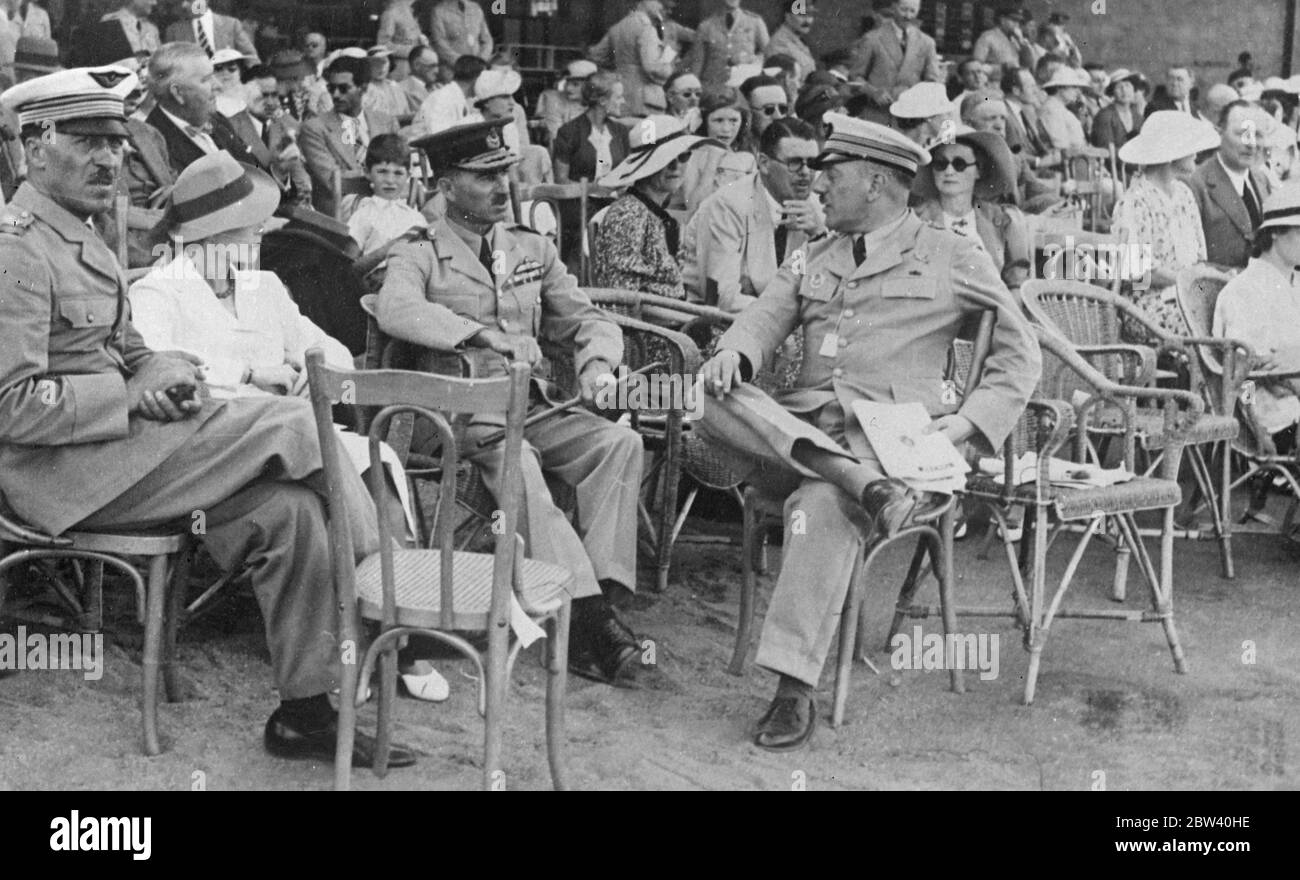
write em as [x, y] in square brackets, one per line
[438, 591]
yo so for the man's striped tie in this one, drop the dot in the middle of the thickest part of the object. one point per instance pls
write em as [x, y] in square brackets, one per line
[202, 37]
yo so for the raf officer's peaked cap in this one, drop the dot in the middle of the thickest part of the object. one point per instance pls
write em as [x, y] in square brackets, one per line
[475, 146]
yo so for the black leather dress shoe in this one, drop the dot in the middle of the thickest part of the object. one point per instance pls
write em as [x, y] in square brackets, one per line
[285, 741]
[894, 506]
[607, 652]
[787, 725]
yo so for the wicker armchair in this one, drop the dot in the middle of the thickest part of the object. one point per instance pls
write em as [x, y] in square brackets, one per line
[1090, 318]
[1229, 391]
[1046, 428]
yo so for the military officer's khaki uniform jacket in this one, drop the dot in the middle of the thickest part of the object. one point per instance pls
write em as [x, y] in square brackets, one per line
[880, 331]
[243, 475]
[438, 294]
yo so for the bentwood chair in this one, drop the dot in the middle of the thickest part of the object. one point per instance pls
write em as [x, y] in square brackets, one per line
[1090, 318]
[159, 593]
[1051, 428]
[1230, 391]
[438, 591]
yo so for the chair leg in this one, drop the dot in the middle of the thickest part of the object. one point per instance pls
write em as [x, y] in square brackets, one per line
[557, 668]
[1225, 508]
[668, 480]
[908, 592]
[176, 590]
[1222, 525]
[941, 556]
[748, 589]
[494, 716]
[1166, 592]
[1123, 555]
[387, 697]
[92, 602]
[156, 604]
[1034, 635]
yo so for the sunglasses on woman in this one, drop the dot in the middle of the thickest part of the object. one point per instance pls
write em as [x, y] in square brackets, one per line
[958, 164]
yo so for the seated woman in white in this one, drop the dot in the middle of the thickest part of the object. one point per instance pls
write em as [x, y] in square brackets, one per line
[1261, 307]
[205, 297]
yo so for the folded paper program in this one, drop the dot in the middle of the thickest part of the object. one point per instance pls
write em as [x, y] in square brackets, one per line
[925, 461]
[1067, 474]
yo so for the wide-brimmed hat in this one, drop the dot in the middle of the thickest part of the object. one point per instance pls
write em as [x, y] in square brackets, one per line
[655, 141]
[1282, 207]
[225, 56]
[38, 54]
[922, 101]
[495, 83]
[999, 166]
[216, 193]
[1167, 136]
[1070, 77]
[1011, 10]
[1123, 74]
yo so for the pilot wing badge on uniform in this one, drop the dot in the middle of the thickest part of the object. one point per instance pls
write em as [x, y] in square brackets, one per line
[526, 272]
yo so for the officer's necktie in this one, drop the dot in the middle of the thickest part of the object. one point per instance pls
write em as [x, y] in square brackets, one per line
[731, 20]
[202, 36]
[485, 256]
[782, 238]
[1252, 203]
[859, 249]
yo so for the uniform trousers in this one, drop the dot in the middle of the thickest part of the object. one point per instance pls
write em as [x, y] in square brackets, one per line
[825, 527]
[253, 472]
[602, 461]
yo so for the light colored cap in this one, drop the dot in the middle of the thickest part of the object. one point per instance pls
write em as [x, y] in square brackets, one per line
[741, 72]
[922, 101]
[1167, 136]
[496, 83]
[89, 100]
[580, 69]
[852, 138]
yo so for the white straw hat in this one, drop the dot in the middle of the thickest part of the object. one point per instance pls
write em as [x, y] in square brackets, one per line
[1167, 136]
[655, 141]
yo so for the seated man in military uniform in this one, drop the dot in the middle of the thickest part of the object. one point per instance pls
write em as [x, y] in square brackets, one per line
[97, 431]
[879, 301]
[473, 285]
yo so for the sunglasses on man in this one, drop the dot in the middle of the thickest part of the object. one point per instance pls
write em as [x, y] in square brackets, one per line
[341, 88]
[774, 109]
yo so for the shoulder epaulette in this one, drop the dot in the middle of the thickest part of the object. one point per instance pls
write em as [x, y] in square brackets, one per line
[825, 233]
[519, 227]
[14, 221]
[418, 233]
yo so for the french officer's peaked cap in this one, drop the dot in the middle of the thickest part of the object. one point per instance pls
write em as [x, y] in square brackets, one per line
[82, 100]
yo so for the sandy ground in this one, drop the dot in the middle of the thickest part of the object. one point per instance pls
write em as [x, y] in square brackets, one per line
[1110, 709]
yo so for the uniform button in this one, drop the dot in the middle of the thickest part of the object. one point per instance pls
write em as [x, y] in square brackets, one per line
[848, 313]
[90, 318]
[853, 285]
[838, 373]
[843, 342]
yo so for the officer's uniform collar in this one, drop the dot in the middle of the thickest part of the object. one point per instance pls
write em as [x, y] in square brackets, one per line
[885, 247]
[94, 252]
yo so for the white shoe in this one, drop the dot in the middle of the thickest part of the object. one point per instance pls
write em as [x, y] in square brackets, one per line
[430, 686]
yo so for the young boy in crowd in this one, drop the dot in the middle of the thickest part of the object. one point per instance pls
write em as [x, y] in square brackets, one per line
[376, 221]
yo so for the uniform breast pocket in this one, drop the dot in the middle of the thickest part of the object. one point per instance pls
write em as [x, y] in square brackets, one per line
[84, 324]
[818, 286]
[525, 301]
[909, 287]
